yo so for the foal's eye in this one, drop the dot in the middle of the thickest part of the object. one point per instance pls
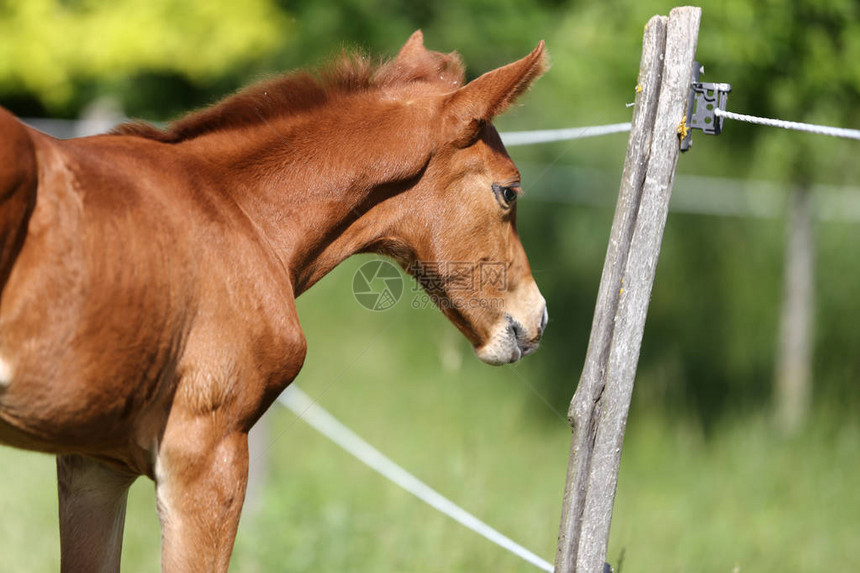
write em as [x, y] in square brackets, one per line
[506, 194]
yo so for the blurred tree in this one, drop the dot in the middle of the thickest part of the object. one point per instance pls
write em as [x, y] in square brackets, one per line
[166, 56]
[50, 48]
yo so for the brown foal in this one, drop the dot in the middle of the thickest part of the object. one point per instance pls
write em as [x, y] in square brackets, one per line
[147, 311]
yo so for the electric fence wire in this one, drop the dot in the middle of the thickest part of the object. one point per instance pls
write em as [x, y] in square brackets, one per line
[314, 415]
[793, 125]
[513, 138]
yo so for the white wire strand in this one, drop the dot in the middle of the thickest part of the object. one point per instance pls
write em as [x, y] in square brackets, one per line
[513, 138]
[797, 126]
[314, 415]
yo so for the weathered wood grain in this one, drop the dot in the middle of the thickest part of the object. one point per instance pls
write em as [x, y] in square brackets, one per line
[598, 411]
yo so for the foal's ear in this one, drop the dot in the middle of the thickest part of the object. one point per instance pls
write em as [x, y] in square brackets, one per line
[413, 47]
[488, 96]
[415, 63]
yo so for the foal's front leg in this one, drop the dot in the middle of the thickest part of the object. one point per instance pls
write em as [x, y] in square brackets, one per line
[201, 476]
[92, 498]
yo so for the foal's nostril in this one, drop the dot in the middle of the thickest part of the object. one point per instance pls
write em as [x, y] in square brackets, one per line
[516, 328]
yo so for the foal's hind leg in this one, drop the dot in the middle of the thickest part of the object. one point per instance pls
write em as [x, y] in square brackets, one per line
[201, 476]
[92, 498]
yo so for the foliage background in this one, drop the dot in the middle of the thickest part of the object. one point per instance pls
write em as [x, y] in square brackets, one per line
[707, 484]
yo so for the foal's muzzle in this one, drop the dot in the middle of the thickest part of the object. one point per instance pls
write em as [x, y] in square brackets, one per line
[514, 337]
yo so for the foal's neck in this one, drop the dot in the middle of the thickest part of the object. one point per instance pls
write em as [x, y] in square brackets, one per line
[309, 184]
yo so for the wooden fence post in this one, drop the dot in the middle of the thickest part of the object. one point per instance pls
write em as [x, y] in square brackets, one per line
[793, 388]
[598, 411]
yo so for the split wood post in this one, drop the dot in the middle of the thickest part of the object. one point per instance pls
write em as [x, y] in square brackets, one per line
[598, 411]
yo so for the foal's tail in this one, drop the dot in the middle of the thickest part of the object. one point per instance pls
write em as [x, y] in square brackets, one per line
[18, 182]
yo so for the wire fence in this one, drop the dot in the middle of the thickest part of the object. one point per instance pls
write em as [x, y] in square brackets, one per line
[792, 125]
[314, 415]
[514, 138]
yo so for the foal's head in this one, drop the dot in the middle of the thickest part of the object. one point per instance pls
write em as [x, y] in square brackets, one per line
[401, 159]
[457, 231]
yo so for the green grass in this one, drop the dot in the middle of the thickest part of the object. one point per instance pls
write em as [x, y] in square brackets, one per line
[739, 499]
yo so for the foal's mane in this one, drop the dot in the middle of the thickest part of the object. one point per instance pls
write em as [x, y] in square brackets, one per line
[303, 90]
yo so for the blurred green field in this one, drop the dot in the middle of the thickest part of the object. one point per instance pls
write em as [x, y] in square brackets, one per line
[736, 499]
[707, 484]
